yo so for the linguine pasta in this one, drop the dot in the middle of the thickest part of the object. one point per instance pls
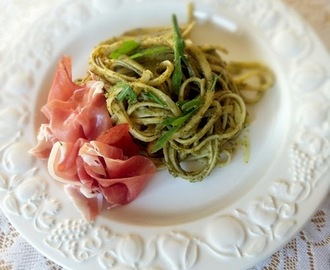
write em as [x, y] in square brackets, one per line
[184, 104]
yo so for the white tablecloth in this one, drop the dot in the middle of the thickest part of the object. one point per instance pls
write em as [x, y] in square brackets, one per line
[309, 249]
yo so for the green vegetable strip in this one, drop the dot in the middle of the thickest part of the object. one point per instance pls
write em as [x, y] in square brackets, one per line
[178, 55]
[182, 119]
[164, 139]
[186, 105]
[174, 123]
[126, 47]
[126, 92]
[154, 98]
[151, 51]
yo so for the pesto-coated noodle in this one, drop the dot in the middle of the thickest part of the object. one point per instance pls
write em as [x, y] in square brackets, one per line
[183, 102]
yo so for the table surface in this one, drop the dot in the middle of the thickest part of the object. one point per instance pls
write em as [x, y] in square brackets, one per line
[308, 249]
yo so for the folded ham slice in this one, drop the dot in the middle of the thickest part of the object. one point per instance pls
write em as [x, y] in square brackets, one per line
[88, 207]
[93, 168]
[97, 162]
[73, 111]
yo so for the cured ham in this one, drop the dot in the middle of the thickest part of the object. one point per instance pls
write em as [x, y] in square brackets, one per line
[62, 87]
[88, 207]
[96, 161]
[83, 115]
[73, 111]
[119, 136]
[46, 140]
[120, 180]
[94, 168]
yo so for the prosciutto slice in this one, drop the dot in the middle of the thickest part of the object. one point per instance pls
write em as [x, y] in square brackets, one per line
[46, 140]
[94, 168]
[88, 207]
[119, 180]
[73, 111]
[97, 162]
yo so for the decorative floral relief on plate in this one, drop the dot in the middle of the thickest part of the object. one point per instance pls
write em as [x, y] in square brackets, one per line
[241, 231]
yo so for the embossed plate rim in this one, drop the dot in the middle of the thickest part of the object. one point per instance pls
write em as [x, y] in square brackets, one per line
[178, 246]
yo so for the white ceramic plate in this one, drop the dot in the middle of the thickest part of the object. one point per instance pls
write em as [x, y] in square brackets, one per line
[238, 215]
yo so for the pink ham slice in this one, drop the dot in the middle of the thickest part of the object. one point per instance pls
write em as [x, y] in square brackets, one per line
[46, 140]
[84, 115]
[72, 111]
[88, 207]
[96, 161]
[93, 167]
[62, 87]
[119, 180]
